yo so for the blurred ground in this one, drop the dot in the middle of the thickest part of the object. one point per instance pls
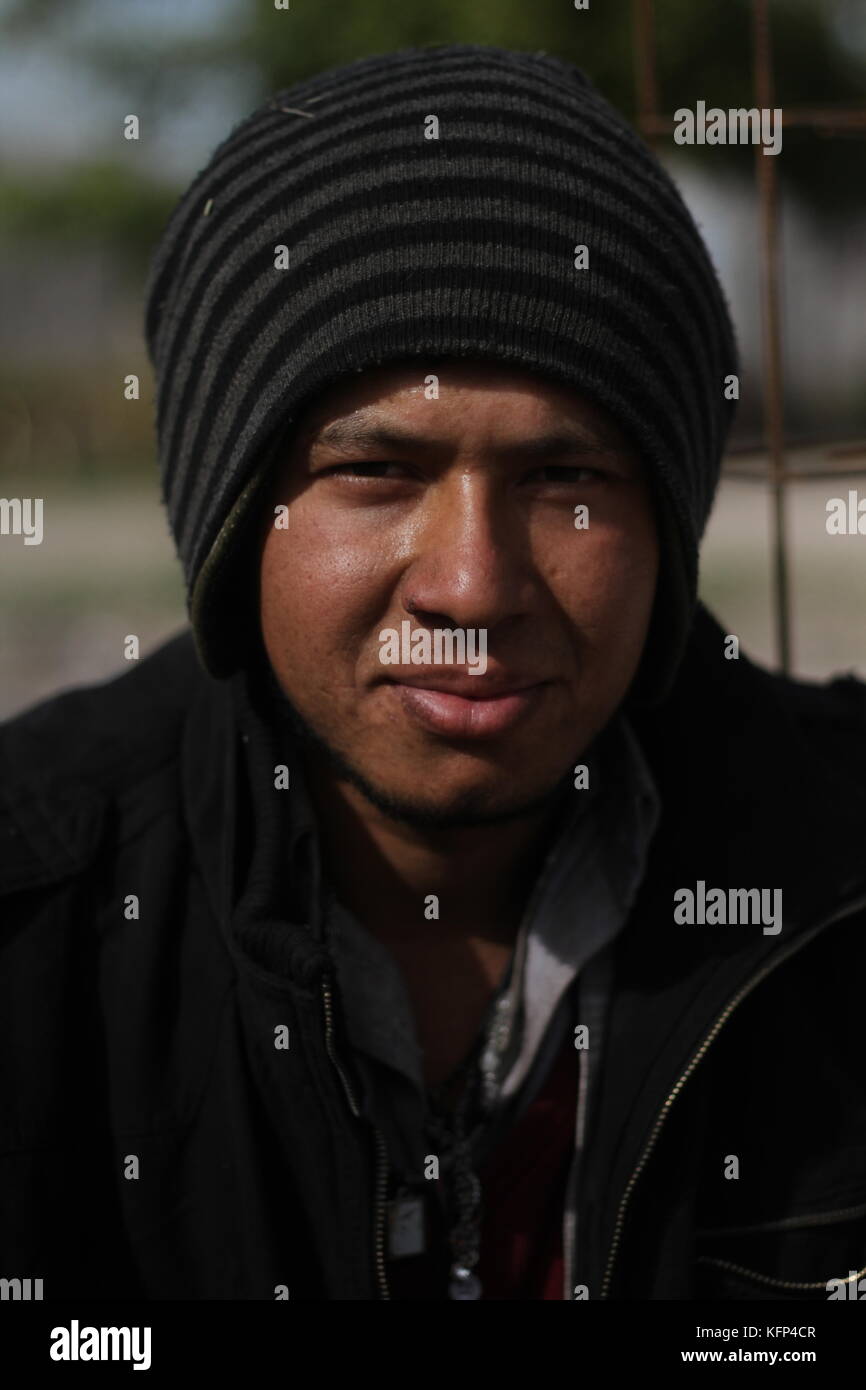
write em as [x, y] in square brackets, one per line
[106, 568]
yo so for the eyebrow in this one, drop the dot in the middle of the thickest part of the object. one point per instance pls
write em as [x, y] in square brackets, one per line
[355, 434]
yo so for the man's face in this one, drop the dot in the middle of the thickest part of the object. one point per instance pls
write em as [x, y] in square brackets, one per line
[457, 513]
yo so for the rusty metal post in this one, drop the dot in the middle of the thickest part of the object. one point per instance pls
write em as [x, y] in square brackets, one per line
[772, 339]
[646, 84]
[834, 121]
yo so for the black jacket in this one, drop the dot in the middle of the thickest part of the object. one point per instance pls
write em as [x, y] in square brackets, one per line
[151, 1037]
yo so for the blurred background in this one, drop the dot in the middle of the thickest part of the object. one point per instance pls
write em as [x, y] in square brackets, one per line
[81, 208]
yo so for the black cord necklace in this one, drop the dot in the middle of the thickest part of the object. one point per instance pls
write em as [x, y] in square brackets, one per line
[452, 1123]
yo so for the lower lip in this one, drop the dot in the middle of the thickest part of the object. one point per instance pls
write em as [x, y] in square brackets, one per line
[457, 716]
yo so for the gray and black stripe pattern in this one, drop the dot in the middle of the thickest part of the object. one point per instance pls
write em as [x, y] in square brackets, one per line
[406, 247]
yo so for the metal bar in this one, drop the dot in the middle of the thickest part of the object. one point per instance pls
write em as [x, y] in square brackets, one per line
[825, 118]
[845, 121]
[646, 83]
[772, 344]
[857, 449]
[831, 447]
[759, 475]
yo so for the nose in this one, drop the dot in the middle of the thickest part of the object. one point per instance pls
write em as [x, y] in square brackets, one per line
[471, 557]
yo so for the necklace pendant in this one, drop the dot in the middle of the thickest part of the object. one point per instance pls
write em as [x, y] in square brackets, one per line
[464, 1284]
[406, 1234]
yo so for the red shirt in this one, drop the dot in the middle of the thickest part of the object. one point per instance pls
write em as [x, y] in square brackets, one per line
[524, 1187]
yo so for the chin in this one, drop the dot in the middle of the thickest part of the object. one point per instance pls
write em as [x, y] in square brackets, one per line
[457, 808]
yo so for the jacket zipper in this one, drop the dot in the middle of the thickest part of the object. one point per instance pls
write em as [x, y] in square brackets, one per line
[716, 1028]
[789, 1223]
[570, 1217]
[381, 1184]
[777, 1283]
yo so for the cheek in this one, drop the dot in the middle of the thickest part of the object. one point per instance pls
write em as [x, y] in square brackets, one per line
[317, 588]
[604, 580]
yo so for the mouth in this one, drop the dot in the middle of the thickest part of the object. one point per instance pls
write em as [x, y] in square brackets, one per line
[467, 707]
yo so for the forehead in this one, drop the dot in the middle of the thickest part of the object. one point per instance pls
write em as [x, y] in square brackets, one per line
[488, 400]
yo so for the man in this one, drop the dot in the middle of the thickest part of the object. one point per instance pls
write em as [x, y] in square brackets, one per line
[456, 913]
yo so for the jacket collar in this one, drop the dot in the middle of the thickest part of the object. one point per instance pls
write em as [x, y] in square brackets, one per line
[753, 796]
[763, 780]
[241, 834]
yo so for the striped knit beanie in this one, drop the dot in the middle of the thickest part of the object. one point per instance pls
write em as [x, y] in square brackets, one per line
[409, 237]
